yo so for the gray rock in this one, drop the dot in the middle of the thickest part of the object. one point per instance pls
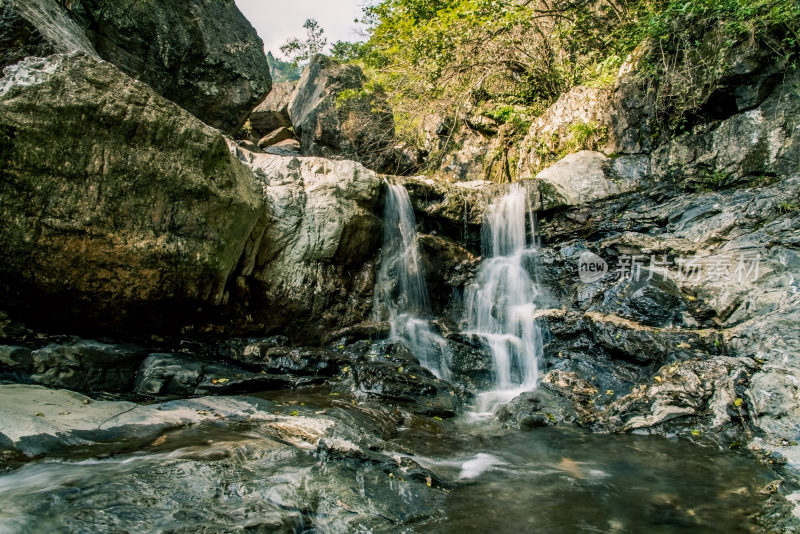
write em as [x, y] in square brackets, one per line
[652, 301]
[544, 406]
[86, 365]
[289, 147]
[181, 375]
[757, 142]
[273, 112]
[168, 374]
[38, 28]
[129, 225]
[35, 420]
[579, 107]
[275, 137]
[81, 365]
[335, 116]
[16, 358]
[203, 55]
[309, 265]
[580, 178]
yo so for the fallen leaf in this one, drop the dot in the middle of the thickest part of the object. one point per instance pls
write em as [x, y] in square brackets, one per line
[64, 413]
[39, 414]
[159, 441]
[571, 467]
[346, 507]
[738, 402]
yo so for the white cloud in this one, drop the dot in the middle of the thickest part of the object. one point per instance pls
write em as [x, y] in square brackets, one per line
[279, 20]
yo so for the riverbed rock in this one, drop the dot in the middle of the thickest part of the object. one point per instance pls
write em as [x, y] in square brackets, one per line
[334, 115]
[203, 55]
[186, 376]
[35, 420]
[86, 365]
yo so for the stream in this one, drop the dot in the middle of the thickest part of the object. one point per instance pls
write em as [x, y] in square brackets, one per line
[238, 478]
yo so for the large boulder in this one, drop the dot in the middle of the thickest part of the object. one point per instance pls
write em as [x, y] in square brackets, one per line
[201, 54]
[309, 266]
[273, 112]
[581, 178]
[139, 210]
[335, 115]
[37, 28]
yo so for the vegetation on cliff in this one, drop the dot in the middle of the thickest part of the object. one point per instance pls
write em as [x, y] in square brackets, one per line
[507, 60]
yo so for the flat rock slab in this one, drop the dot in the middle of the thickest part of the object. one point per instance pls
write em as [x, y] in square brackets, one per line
[36, 420]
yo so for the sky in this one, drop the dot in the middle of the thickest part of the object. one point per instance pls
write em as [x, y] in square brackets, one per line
[279, 20]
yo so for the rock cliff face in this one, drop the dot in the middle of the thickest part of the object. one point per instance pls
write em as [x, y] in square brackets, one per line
[335, 116]
[38, 28]
[142, 219]
[202, 54]
[309, 264]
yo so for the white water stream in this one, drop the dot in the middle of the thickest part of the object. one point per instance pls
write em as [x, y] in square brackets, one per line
[500, 303]
[401, 294]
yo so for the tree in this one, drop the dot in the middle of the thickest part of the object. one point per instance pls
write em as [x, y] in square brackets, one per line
[345, 51]
[300, 52]
[282, 71]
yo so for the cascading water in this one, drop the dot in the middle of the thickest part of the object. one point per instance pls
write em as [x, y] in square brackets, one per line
[401, 294]
[501, 301]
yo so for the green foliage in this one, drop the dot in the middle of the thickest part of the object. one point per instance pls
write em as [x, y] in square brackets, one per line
[584, 136]
[245, 131]
[299, 51]
[447, 58]
[344, 51]
[515, 116]
[691, 44]
[282, 71]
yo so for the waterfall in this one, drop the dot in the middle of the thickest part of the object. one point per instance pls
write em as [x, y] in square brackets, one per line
[500, 303]
[401, 293]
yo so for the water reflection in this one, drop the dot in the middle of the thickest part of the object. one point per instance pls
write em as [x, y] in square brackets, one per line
[550, 480]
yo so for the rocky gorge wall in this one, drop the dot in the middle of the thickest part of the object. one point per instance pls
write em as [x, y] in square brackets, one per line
[142, 217]
[143, 220]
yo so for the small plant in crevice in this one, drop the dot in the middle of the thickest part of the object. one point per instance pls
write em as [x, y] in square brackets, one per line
[245, 131]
